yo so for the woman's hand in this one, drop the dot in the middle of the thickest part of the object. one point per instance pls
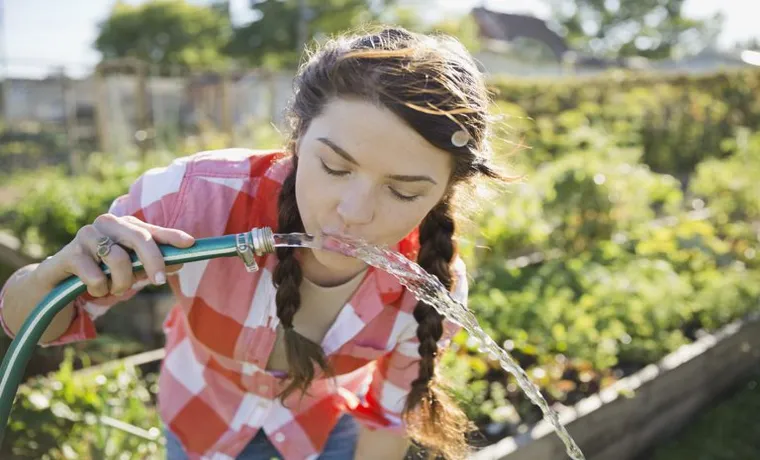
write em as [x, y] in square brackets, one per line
[28, 285]
[112, 236]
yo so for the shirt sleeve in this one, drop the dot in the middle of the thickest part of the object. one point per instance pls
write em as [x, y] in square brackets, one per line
[391, 381]
[154, 198]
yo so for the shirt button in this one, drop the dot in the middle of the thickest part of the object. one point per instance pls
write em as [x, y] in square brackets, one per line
[279, 437]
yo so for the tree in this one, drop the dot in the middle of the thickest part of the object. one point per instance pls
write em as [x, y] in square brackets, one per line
[172, 34]
[283, 27]
[463, 28]
[276, 38]
[654, 29]
[412, 17]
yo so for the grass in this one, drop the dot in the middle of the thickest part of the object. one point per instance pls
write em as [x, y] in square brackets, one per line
[730, 430]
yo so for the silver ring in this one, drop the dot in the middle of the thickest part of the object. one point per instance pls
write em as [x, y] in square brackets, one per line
[104, 246]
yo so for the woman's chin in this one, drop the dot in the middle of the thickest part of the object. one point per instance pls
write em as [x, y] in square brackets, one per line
[334, 261]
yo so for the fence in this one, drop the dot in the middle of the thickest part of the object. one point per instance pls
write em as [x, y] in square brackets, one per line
[125, 108]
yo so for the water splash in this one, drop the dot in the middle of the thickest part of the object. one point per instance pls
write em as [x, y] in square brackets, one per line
[429, 289]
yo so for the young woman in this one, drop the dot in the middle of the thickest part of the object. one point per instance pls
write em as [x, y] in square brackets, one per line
[315, 355]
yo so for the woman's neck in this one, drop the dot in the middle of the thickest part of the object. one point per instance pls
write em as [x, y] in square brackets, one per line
[323, 276]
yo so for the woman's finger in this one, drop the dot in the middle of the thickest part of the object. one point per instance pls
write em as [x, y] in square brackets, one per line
[163, 235]
[104, 248]
[140, 240]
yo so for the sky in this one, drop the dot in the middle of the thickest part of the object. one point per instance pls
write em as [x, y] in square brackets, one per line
[38, 35]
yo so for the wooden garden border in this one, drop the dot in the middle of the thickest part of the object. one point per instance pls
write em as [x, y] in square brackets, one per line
[629, 417]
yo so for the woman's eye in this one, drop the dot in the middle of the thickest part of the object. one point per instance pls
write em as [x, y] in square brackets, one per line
[333, 172]
[339, 173]
[403, 197]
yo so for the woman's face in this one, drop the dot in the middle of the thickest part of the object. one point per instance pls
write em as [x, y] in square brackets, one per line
[363, 172]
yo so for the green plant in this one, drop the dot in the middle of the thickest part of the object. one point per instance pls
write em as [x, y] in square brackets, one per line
[730, 187]
[29, 145]
[677, 121]
[624, 275]
[86, 415]
[55, 205]
[575, 201]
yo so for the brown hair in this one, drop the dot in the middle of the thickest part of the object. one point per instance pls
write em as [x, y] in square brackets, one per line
[431, 83]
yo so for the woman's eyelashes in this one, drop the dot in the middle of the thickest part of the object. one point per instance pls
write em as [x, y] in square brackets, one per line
[333, 172]
[340, 173]
[403, 197]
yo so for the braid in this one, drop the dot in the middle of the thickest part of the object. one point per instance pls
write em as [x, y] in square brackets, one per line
[301, 352]
[440, 424]
[287, 275]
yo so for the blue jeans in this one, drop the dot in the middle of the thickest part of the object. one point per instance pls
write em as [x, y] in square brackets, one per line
[341, 444]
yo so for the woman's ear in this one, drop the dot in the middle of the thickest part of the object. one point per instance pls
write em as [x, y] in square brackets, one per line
[297, 147]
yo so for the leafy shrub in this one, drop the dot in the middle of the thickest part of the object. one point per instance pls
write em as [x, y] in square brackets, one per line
[91, 415]
[55, 206]
[624, 275]
[730, 187]
[30, 146]
[571, 203]
[677, 120]
[577, 323]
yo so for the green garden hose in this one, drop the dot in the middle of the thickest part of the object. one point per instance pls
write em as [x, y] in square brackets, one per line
[257, 242]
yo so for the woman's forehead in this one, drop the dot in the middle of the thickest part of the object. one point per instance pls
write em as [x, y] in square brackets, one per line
[374, 135]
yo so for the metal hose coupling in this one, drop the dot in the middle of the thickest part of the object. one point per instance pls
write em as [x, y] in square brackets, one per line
[256, 243]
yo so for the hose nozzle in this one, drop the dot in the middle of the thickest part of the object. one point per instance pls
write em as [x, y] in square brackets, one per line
[257, 242]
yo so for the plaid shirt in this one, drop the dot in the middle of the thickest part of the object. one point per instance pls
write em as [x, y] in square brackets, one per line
[215, 393]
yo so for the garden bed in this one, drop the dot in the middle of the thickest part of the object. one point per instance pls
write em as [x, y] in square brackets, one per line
[632, 414]
[590, 271]
[100, 411]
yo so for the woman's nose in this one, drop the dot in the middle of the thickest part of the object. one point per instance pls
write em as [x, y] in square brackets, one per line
[357, 206]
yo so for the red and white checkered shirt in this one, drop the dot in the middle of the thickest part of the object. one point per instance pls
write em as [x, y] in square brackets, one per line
[215, 393]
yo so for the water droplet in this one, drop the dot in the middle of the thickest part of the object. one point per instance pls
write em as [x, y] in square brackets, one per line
[472, 342]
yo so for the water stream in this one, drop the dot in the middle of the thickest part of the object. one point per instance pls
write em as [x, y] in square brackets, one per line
[429, 289]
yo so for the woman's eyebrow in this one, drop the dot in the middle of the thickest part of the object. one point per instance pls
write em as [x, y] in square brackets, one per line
[338, 150]
[405, 178]
[350, 159]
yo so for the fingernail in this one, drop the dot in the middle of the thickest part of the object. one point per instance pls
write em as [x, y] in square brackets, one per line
[160, 278]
